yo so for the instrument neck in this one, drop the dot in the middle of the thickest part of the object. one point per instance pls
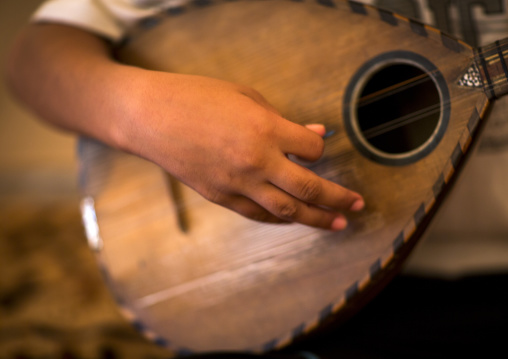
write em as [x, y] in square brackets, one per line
[492, 61]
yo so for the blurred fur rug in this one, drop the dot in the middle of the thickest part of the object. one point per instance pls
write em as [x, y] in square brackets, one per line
[53, 302]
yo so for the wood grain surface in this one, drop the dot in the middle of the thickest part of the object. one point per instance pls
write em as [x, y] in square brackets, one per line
[227, 282]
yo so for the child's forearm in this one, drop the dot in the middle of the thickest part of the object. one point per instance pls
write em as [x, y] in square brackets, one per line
[66, 76]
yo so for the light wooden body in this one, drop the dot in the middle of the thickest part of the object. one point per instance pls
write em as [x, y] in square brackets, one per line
[228, 283]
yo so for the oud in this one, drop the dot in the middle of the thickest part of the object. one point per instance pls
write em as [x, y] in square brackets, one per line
[403, 103]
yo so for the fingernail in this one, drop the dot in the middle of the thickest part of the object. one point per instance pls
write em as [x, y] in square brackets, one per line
[318, 128]
[358, 205]
[339, 224]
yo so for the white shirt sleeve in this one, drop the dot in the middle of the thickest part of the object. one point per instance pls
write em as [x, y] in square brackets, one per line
[107, 18]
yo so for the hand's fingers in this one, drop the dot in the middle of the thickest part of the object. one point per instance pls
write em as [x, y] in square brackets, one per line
[288, 208]
[308, 187]
[302, 142]
[249, 209]
[296, 139]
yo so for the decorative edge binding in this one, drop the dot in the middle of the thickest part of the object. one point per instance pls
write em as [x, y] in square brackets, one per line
[419, 216]
[356, 7]
[377, 266]
[401, 239]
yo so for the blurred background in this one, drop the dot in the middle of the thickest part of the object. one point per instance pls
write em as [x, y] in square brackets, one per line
[34, 159]
[53, 303]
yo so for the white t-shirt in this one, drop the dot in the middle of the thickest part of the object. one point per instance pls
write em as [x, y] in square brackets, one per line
[108, 18]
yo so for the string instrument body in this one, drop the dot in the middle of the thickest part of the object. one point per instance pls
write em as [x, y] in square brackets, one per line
[198, 277]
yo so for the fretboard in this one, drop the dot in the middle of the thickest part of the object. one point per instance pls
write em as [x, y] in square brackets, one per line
[492, 63]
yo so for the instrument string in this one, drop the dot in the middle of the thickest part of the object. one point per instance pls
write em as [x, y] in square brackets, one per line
[366, 100]
[422, 113]
[403, 120]
[188, 202]
[184, 204]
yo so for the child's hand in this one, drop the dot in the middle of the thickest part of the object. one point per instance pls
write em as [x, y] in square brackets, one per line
[225, 141]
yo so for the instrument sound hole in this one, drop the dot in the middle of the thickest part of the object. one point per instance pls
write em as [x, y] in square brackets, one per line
[398, 109]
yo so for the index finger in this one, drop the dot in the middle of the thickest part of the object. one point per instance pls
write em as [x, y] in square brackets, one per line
[300, 141]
